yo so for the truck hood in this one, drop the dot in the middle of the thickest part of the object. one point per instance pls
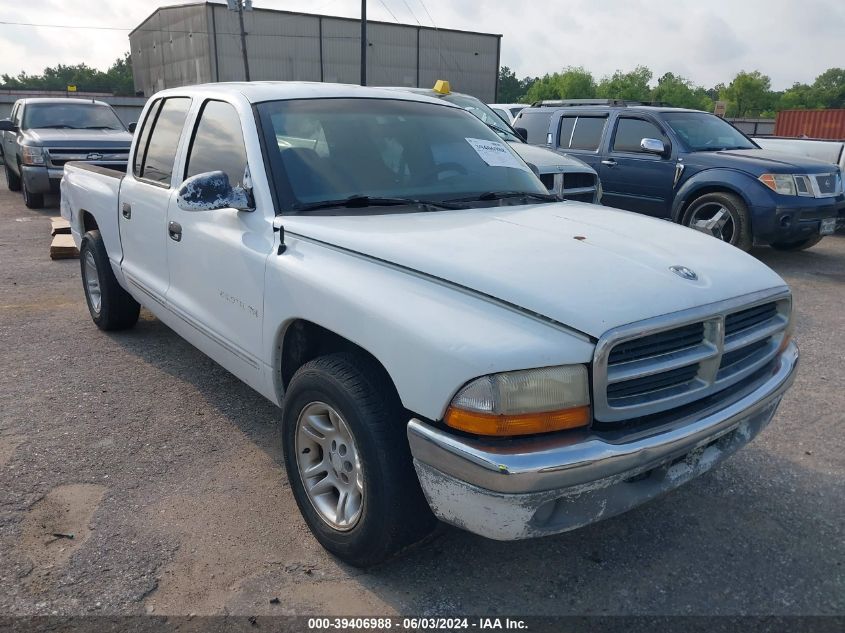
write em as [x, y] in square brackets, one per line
[548, 161]
[762, 161]
[587, 267]
[53, 137]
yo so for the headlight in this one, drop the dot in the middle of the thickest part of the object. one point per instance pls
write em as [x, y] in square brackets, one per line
[523, 402]
[787, 184]
[32, 155]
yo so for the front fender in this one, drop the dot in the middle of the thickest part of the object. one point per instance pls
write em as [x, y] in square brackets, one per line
[431, 337]
[742, 184]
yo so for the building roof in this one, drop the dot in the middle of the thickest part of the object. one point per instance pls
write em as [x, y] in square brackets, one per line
[313, 15]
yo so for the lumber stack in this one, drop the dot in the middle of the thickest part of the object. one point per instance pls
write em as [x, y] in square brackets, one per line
[62, 246]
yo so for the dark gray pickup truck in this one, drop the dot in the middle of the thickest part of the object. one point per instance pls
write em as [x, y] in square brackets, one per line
[44, 134]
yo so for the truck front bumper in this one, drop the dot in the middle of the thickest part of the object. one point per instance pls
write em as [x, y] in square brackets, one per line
[519, 489]
[787, 224]
[41, 179]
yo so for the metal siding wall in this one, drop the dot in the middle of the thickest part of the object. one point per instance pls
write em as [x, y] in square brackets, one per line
[823, 124]
[172, 49]
[392, 56]
[342, 51]
[286, 46]
[466, 60]
[281, 46]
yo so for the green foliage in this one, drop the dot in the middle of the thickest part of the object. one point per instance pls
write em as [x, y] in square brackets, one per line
[681, 93]
[748, 95]
[117, 79]
[571, 83]
[829, 88]
[631, 86]
[512, 89]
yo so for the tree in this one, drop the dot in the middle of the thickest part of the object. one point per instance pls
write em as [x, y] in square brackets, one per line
[631, 86]
[748, 95]
[572, 83]
[509, 88]
[681, 93]
[117, 79]
[829, 88]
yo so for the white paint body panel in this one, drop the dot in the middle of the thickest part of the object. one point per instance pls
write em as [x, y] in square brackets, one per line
[438, 298]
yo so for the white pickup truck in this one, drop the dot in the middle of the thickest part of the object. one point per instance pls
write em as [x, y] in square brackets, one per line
[446, 338]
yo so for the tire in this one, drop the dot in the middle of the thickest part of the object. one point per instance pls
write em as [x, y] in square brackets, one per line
[736, 232]
[800, 245]
[13, 182]
[111, 307]
[32, 200]
[391, 512]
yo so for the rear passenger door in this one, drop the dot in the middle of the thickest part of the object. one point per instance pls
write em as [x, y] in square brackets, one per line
[145, 196]
[580, 134]
[633, 179]
[217, 263]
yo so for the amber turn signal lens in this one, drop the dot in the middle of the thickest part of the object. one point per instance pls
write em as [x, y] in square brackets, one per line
[523, 424]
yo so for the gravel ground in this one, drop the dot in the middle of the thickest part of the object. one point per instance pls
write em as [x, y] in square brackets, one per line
[168, 472]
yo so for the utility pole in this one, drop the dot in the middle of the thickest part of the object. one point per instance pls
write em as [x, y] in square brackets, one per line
[240, 6]
[363, 42]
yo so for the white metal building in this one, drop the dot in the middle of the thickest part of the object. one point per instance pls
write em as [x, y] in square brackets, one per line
[200, 42]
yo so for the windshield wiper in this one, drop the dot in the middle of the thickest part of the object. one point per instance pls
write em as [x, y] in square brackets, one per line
[502, 195]
[99, 127]
[496, 128]
[59, 126]
[359, 202]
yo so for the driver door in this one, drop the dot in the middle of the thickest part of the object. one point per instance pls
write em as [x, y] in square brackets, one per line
[632, 178]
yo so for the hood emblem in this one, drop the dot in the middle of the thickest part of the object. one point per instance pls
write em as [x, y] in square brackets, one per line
[94, 156]
[684, 272]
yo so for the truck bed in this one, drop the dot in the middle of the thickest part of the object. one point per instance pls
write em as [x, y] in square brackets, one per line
[90, 194]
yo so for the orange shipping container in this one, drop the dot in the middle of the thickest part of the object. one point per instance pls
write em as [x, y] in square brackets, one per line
[822, 124]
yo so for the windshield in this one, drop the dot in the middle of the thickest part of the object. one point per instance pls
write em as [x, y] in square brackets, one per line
[80, 116]
[334, 149]
[483, 112]
[702, 132]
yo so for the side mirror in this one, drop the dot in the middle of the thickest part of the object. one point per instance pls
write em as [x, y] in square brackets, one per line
[211, 191]
[131, 127]
[653, 146]
[523, 133]
[6, 125]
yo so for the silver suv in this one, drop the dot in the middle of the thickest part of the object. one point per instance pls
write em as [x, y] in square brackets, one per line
[43, 134]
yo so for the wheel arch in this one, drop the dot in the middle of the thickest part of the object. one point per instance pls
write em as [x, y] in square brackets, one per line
[301, 341]
[711, 181]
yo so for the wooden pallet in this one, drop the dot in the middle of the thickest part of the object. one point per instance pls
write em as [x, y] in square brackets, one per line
[63, 247]
[59, 225]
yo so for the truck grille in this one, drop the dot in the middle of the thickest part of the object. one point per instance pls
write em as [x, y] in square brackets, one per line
[578, 180]
[58, 156]
[827, 185]
[657, 365]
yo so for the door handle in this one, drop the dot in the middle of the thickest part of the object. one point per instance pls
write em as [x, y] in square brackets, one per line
[126, 209]
[174, 229]
[609, 162]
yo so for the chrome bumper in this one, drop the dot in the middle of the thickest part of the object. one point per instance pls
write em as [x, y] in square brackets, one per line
[538, 486]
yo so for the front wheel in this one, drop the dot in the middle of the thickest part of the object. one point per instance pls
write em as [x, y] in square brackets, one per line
[348, 460]
[13, 181]
[800, 245]
[721, 215]
[30, 199]
[111, 307]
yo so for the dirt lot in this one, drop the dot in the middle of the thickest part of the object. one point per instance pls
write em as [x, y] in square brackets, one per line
[168, 472]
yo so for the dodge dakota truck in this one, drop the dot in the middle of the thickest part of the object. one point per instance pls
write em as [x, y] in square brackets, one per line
[43, 134]
[446, 339]
[695, 169]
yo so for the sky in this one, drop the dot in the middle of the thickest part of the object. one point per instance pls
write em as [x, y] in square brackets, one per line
[707, 42]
